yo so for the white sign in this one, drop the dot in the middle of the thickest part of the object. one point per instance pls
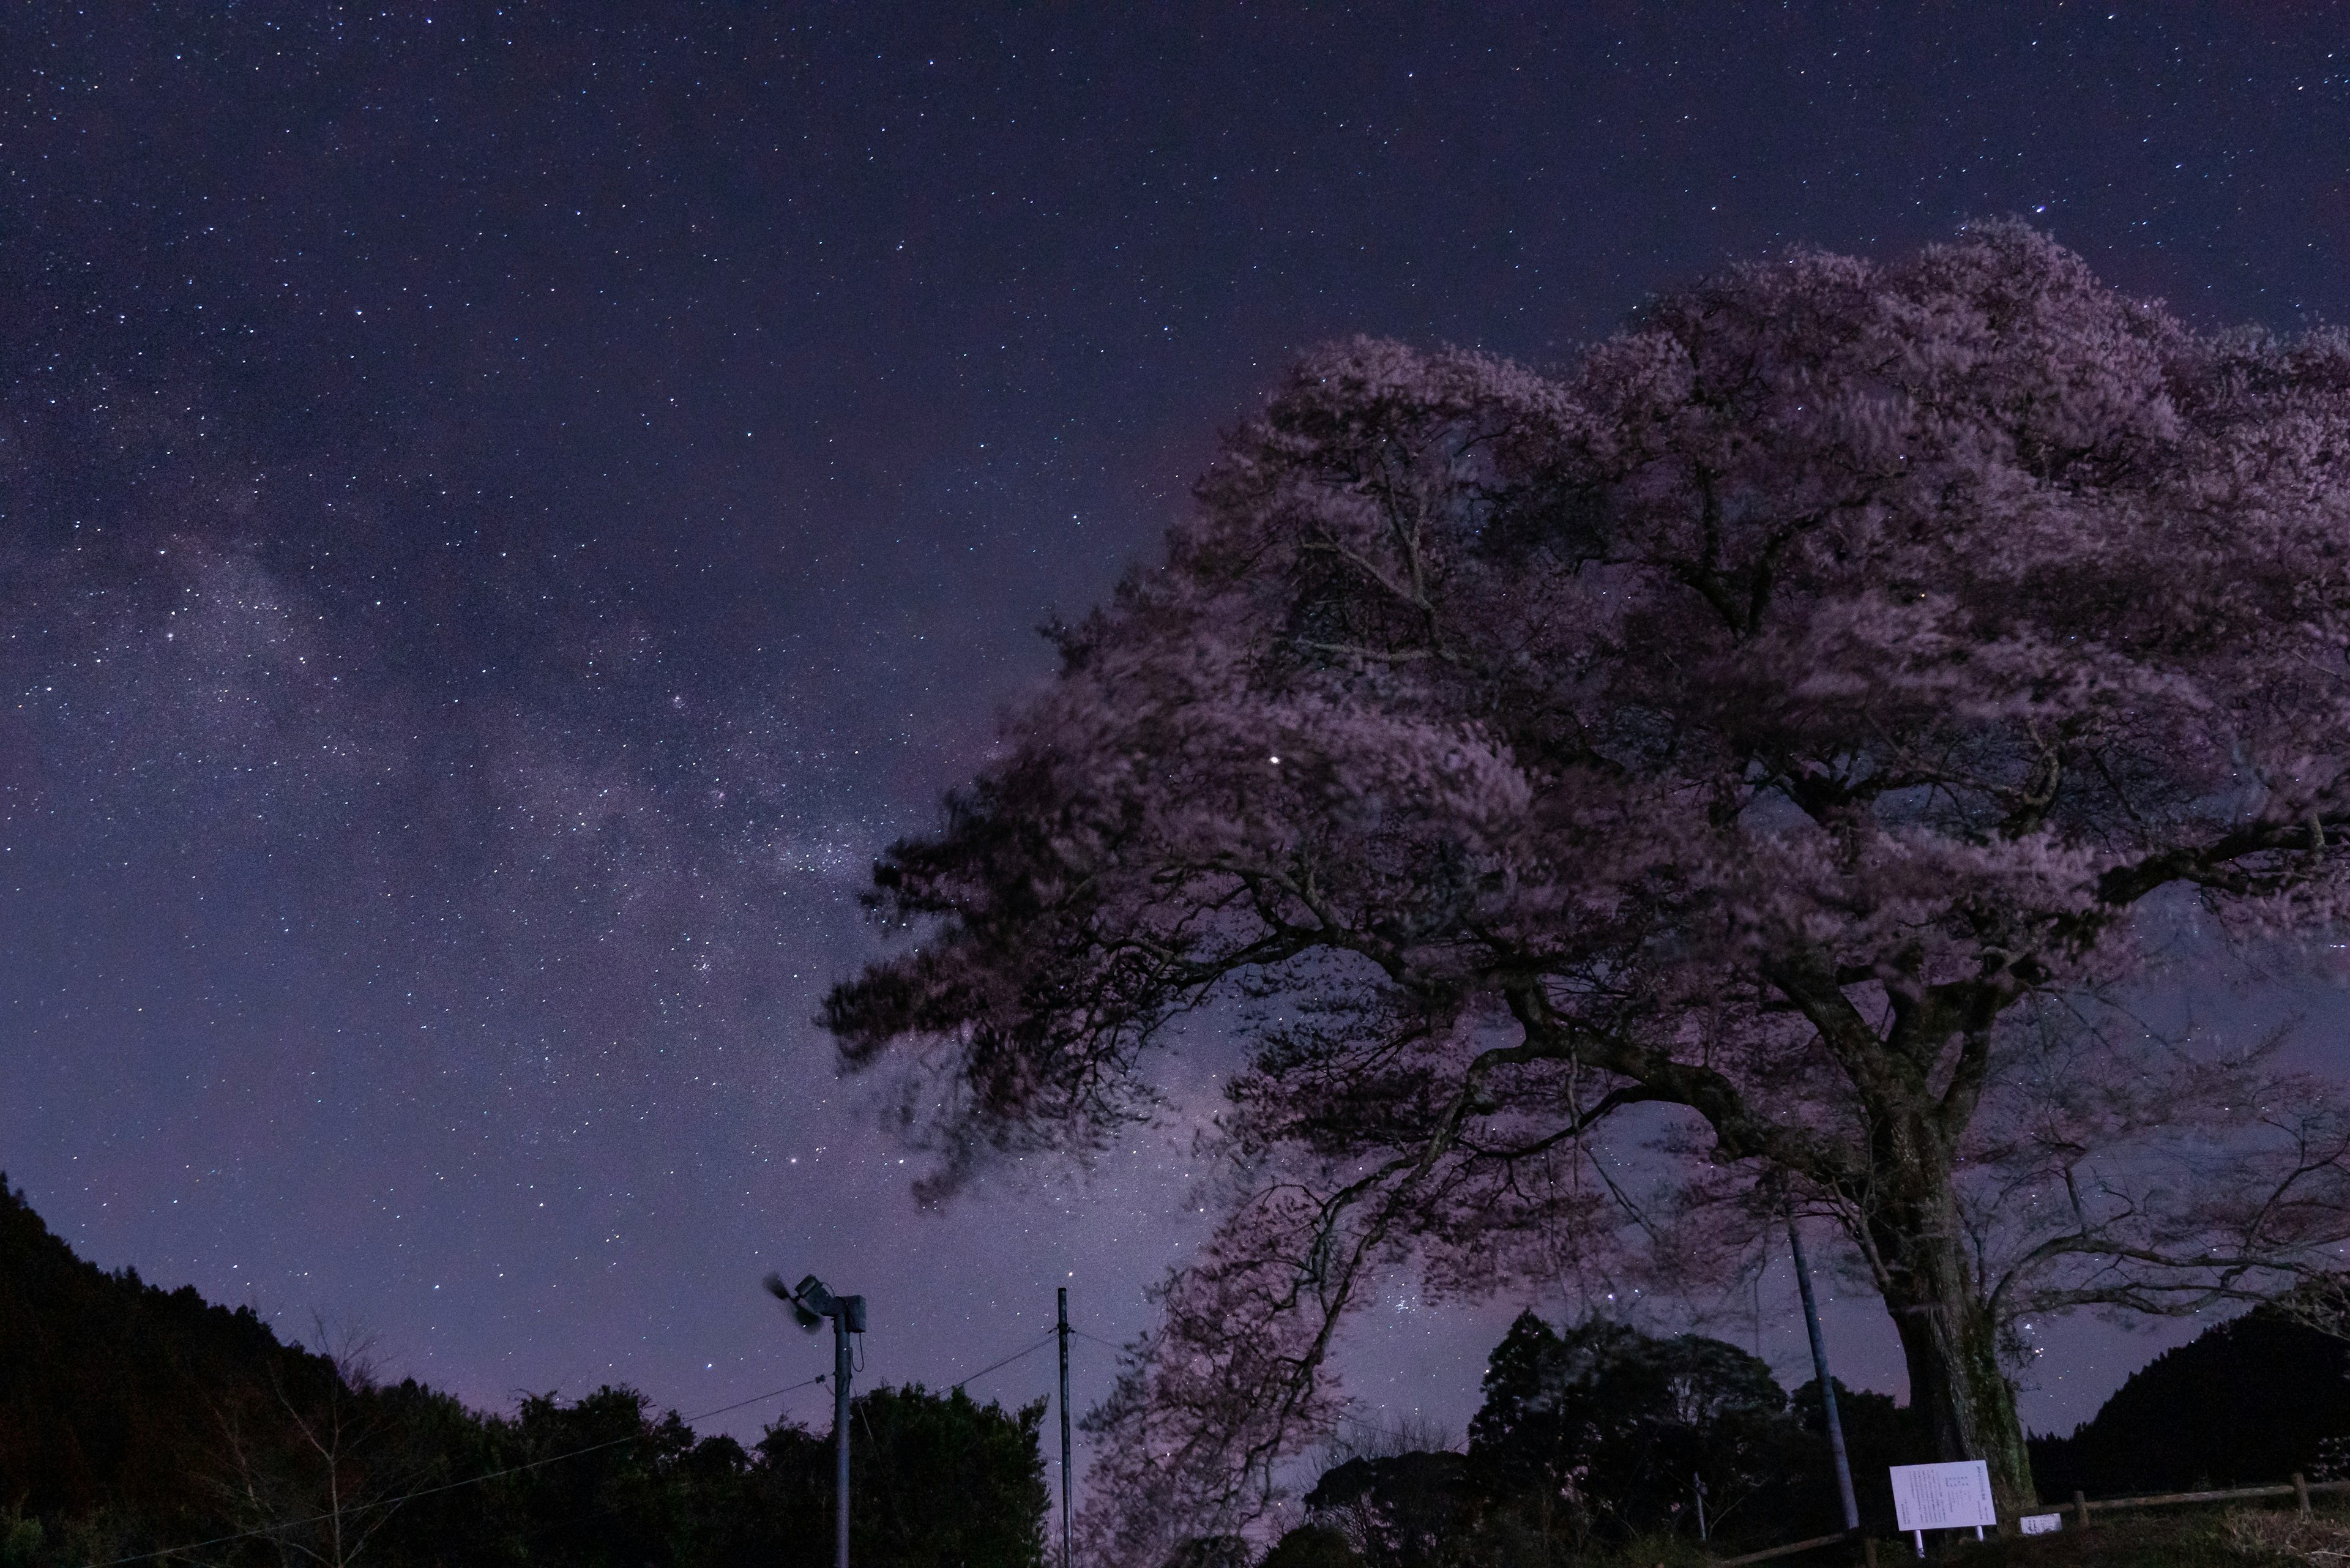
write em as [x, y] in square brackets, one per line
[2041, 1523]
[1943, 1497]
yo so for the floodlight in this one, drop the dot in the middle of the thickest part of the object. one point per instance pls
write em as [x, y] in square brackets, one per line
[811, 1303]
[802, 1313]
[816, 1298]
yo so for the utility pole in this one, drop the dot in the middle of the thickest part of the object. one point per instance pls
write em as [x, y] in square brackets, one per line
[1820, 1366]
[1065, 1559]
[811, 1303]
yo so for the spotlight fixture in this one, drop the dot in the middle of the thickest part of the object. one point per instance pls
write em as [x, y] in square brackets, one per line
[811, 1303]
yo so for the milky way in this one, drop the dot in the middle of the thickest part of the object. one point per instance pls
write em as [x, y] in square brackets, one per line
[506, 512]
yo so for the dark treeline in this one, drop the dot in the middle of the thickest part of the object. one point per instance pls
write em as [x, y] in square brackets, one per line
[1591, 1437]
[134, 1420]
[1596, 1435]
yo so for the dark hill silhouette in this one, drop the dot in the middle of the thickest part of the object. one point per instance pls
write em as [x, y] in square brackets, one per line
[2246, 1403]
[134, 1419]
[117, 1391]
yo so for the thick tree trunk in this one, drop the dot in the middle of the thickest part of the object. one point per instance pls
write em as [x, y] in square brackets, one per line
[1957, 1391]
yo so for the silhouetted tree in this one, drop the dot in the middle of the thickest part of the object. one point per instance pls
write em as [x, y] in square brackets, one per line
[1312, 1547]
[318, 1469]
[1415, 1510]
[1606, 1423]
[924, 1448]
[606, 1499]
[1211, 1552]
[1766, 736]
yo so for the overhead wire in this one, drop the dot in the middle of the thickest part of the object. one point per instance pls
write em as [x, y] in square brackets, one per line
[1028, 1350]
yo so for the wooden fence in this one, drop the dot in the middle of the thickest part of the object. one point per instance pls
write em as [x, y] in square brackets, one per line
[2081, 1508]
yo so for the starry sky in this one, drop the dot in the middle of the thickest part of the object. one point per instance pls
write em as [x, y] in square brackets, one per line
[504, 511]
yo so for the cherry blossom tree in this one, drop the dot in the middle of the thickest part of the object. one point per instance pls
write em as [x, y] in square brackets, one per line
[1748, 767]
[2322, 1303]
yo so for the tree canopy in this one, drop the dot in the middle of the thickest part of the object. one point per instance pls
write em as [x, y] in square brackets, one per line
[1613, 1424]
[1595, 1437]
[1734, 770]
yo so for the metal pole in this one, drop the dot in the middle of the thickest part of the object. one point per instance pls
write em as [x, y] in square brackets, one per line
[840, 1435]
[1820, 1366]
[1065, 1560]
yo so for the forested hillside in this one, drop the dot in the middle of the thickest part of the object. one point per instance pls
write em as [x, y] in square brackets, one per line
[2248, 1402]
[134, 1419]
[118, 1393]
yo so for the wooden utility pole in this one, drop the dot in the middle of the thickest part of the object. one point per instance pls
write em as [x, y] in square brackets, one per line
[1066, 1561]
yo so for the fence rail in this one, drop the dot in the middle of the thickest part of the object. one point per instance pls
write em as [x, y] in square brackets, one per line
[1790, 1548]
[2080, 1508]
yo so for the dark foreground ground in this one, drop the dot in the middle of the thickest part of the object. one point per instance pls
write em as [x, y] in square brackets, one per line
[2173, 1538]
[2156, 1537]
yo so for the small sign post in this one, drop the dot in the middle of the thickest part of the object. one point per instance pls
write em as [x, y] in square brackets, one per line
[1942, 1496]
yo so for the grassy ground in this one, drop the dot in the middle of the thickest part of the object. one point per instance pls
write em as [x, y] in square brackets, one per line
[2172, 1538]
[2154, 1537]
[2189, 1537]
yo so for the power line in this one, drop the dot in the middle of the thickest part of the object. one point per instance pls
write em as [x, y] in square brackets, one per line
[447, 1486]
[754, 1399]
[1031, 1350]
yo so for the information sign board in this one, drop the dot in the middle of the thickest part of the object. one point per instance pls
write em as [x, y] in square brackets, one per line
[2041, 1523]
[1943, 1497]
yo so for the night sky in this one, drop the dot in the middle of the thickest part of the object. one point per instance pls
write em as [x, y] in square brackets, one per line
[503, 513]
